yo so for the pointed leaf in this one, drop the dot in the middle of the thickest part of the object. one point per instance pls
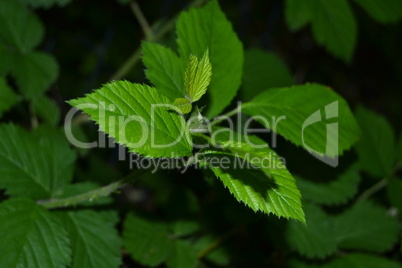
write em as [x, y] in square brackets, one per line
[198, 76]
[8, 98]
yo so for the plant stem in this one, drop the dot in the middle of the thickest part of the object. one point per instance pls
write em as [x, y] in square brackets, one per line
[227, 115]
[34, 119]
[373, 189]
[141, 20]
[93, 194]
[157, 33]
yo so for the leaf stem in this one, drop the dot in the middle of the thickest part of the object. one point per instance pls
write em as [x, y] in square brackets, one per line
[157, 33]
[223, 117]
[141, 20]
[373, 189]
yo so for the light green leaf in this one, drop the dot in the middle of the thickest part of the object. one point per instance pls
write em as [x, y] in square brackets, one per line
[165, 69]
[31, 237]
[46, 109]
[314, 240]
[269, 188]
[183, 104]
[336, 192]
[94, 241]
[334, 26]
[297, 113]
[376, 148]
[183, 255]
[263, 70]
[34, 72]
[146, 240]
[20, 28]
[44, 3]
[208, 27]
[383, 11]
[394, 190]
[8, 98]
[41, 169]
[298, 13]
[197, 76]
[366, 226]
[361, 260]
[138, 117]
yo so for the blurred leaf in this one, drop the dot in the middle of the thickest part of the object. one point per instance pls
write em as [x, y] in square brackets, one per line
[218, 255]
[34, 73]
[41, 169]
[165, 69]
[8, 98]
[183, 255]
[366, 226]
[20, 28]
[263, 70]
[336, 192]
[46, 109]
[383, 11]
[128, 100]
[394, 190]
[94, 241]
[44, 3]
[295, 113]
[208, 27]
[31, 237]
[146, 240]
[298, 13]
[376, 148]
[316, 239]
[360, 260]
[6, 59]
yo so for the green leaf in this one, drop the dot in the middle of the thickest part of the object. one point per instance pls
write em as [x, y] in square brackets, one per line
[367, 227]
[34, 72]
[41, 169]
[146, 240]
[376, 148]
[317, 238]
[44, 3]
[31, 237]
[8, 98]
[336, 192]
[183, 104]
[298, 13]
[394, 190]
[138, 117]
[302, 106]
[46, 109]
[183, 255]
[384, 11]
[266, 186]
[208, 27]
[20, 28]
[219, 255]
[334, 26]
[263, 70]
[94, 241]
[361, 260]
[6, 59]
[165, 69]
[197, 76]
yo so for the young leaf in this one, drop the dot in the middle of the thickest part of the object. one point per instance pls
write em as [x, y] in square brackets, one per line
[31, 236]
[334, 26]
[367, 227]
[183, 104]
[316, 239]
[297, 111]
[94, 241]
[269, 188]
[385, 11]
[376, 148]
[165, 69]
[263, 70]
[138, 117]
[336, 192]
[41, 169]
[19, 27]
[197, 76]
[146, 240]
[208, 27]
[183, 255]
[46, 109]
[8, 98]
[34, 72]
